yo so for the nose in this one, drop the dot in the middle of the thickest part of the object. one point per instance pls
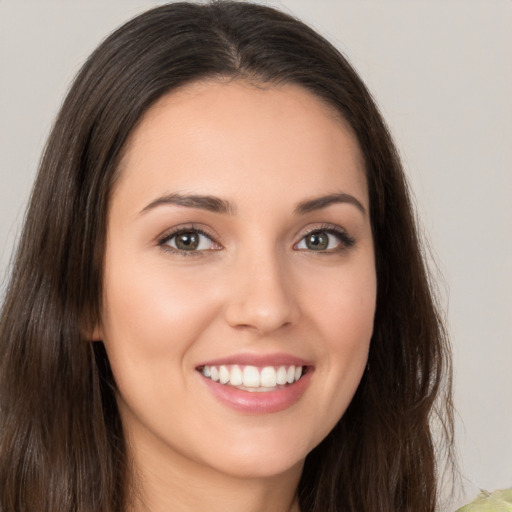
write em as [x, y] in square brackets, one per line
[262, 295]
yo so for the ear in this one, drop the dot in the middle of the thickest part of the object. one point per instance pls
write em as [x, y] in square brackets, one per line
[91, 327]
[96, 334]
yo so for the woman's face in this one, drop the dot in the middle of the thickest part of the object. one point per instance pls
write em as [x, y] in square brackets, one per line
[239, 286]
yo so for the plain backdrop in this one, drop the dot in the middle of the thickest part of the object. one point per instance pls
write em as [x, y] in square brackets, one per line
[441, 72]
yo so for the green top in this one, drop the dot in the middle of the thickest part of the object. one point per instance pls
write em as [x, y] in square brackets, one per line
[497, 501]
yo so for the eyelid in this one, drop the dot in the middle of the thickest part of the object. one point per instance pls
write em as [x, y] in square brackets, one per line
[345, 239]
[162, 239]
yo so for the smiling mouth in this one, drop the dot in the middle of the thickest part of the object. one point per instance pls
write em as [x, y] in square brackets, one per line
[254, 378]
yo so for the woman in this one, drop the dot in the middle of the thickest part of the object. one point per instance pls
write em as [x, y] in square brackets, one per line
[219, 297]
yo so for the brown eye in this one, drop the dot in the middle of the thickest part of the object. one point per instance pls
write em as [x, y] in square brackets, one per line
[187, 241]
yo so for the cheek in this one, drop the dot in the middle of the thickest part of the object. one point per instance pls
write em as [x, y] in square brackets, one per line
[145, 314]
[148, 336]
[343, 305]
[342, 312]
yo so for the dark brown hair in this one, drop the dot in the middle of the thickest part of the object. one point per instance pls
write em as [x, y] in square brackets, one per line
[61, 439]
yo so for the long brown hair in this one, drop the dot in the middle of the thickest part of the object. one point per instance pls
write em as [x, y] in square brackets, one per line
[61, 439]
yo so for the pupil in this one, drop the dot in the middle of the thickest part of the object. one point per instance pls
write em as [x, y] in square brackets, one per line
[187, 241]
[317, 241]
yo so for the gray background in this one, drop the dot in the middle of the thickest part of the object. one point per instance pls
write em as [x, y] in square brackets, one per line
[441, 71]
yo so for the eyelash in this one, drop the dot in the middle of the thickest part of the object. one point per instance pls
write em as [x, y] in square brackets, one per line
[346, 241]
[166, 237]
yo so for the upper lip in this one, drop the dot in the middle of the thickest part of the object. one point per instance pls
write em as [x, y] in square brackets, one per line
[260, 360]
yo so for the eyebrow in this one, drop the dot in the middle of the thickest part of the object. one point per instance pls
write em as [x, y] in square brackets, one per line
[218, 205]
[325, 201]
[209, 203]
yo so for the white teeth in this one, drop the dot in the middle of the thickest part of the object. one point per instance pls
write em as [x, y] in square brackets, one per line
[237, 377]
[223, 375]
[268, 377]
[282, 376]
[252, 378]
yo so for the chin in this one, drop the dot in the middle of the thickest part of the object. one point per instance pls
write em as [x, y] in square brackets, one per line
[262, 458]
[259, 467]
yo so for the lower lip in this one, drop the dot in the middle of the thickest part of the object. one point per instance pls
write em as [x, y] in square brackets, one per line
[259, 402]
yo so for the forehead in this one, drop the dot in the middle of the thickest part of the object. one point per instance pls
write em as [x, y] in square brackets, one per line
[207, 134]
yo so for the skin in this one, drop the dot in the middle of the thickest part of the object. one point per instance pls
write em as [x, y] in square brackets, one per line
[253, 287]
